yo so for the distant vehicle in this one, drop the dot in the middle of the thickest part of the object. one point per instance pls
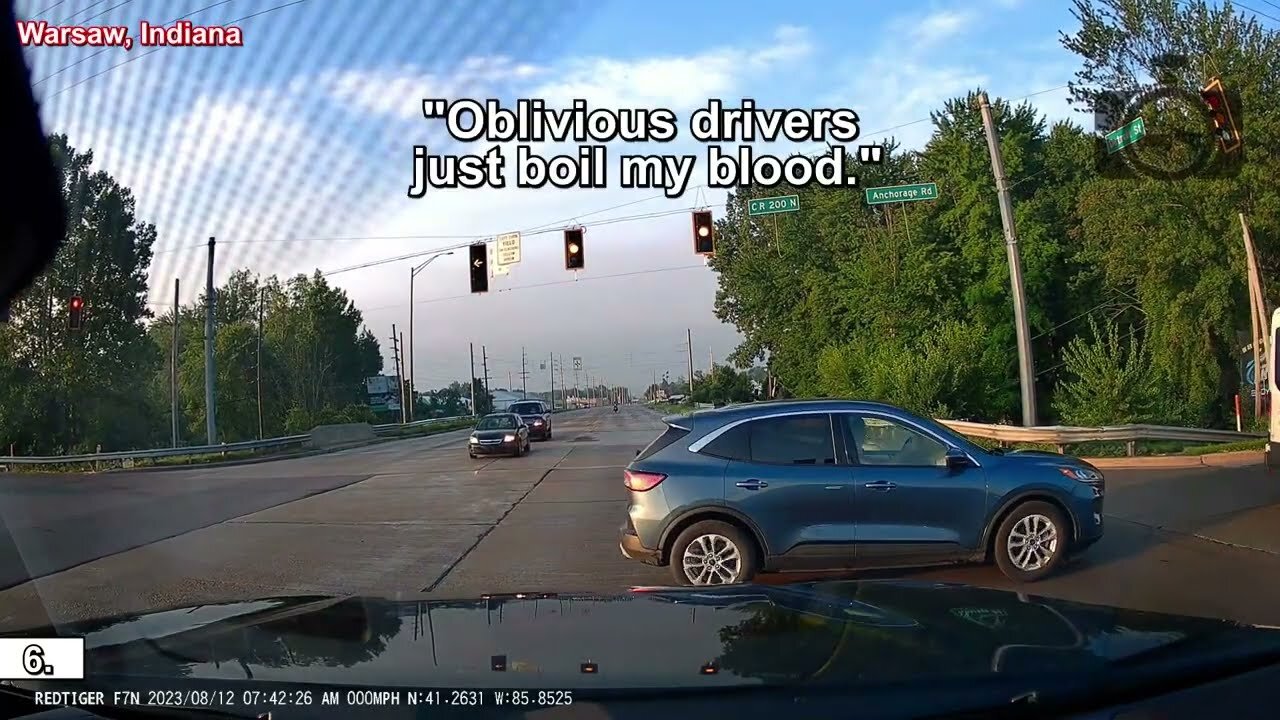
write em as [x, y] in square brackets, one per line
[676, 399]
[499, 434]
[830, 484]
[536, 415]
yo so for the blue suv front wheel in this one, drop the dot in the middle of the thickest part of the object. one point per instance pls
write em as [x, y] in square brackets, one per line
[1031, 541]
[712, 552]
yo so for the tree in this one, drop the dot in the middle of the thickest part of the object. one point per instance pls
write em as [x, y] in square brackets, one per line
[1109, 379]
[910, 302]
[315, 356]
[1174, 247]
[722, 385]
[484, 400]
[76, 390]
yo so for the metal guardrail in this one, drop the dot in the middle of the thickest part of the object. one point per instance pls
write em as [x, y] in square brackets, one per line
[267, 444]
[387, 427]
[1064, 435]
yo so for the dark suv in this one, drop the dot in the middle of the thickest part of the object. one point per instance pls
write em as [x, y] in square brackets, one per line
[536, 416]
[832, 484]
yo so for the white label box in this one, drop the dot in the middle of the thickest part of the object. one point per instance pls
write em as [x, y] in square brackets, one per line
[41, 658]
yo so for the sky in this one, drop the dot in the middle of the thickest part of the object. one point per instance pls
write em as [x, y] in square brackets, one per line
[295, 150]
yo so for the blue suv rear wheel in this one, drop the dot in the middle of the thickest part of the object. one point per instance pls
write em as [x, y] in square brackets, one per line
[712, 552]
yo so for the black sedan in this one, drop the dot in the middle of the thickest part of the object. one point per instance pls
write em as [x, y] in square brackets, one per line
[499, 434]
[536, 415]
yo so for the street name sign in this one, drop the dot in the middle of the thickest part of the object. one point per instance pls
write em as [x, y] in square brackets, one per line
[1125, 135]
[902, 193]
[769, 206]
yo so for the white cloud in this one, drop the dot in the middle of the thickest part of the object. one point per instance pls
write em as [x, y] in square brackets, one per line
[938, 26]
[674, 82]
[398, 91]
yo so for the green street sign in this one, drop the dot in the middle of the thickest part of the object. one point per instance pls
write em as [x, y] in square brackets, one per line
[769, 206]
[1126, 135]
[902, 193]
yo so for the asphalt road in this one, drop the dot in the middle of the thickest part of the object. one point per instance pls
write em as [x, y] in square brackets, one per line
[417, 517]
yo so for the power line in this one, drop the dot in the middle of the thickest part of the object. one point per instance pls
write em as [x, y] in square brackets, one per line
[155, 50]
[93, 55]
[460, 246]
[104, 12]
[546, 284]
[51, 7]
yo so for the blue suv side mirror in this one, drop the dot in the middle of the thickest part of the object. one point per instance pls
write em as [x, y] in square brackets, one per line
[957, 460]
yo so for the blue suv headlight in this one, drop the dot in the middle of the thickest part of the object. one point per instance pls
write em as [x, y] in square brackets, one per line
[1082, 474]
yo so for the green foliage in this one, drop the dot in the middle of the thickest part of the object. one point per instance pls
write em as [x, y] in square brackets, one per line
[484, 399]
[298, 420]
[108, 385]
[947, 373]
[1110, 380]
[722, 385]
[910, 303]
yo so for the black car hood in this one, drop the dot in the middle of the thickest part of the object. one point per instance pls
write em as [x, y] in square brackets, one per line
[846, 631]
[492, 434]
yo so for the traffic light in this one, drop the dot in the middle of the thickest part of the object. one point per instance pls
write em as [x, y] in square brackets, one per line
[479, 267]
[1224, 124]
[573, 250]
[704, 242]
[75, 313]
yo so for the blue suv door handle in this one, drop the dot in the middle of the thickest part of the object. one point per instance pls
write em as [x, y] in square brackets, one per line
[752, 484]
[880, 485]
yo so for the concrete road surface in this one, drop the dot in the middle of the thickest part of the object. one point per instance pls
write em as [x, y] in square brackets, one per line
[418, 517]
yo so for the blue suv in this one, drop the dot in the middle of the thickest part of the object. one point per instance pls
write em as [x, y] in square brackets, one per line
[725, 494]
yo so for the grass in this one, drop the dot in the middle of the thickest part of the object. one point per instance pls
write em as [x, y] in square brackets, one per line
[1225, 447]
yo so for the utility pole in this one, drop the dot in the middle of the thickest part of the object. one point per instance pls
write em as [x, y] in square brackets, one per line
[412, 273]
[484, 362]
[173, 368]
[210, 394]
[510, 382]
[395, 356]
[552, 369]
[407, 388]
[262, 298]
[562, 388]
[524, 377]
[1260, 317]
[689, 338]
[472, 380]
[1026, 366]
[409, 362]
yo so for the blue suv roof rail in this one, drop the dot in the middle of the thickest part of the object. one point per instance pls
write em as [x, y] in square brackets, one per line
[684, 422]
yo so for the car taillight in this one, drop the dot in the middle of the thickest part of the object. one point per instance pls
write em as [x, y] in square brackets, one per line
[641, 481]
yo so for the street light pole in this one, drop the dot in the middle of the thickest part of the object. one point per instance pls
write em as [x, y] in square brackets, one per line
[413, 273]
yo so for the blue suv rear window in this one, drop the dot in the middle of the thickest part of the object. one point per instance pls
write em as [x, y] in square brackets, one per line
[671, 435]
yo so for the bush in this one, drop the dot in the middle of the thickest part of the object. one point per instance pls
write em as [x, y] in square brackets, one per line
[1111, 380]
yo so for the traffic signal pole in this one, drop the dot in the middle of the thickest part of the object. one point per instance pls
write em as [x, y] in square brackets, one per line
[1026, 366]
